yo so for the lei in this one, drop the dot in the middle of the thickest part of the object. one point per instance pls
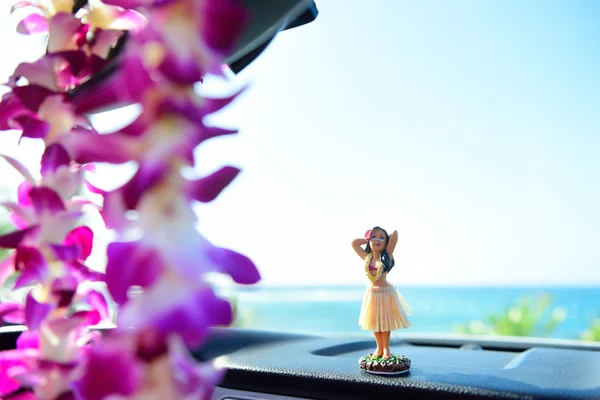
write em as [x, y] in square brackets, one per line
[373, 277]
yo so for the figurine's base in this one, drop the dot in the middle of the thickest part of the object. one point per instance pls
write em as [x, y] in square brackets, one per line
[395, 365]
[387, 373]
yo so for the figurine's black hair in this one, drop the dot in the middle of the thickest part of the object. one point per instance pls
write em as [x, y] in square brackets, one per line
[388, 263]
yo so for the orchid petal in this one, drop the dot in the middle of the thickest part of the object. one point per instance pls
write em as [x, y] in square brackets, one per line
[191, 319]
[239, 267]
[129, 264]
[13, 239]
[10, 360]
[41, 73]
[59, 115]
[63, 326]
[133, 3]
[126, 86]
[18, 221]
[22, 216]
[12, 312]
[116, 203]
[190, 376]
[136, 78]
[28, 340]
[113, 212]
[72, 64]
[106, 94]
[208, 188]
[127, 20]
[176, 306]
[66, 32]
[212, 105]
[32, 127]
[185, 247]
[95, 189]
[65, 253]
[180, 71]
[34, 23]
[146, 177]
[209, 132]
[77, 245]
[111, 369]
[86, 146]
[10, 108]
[224, 20]
[105, 41]
[83, 237]
[46, 200]
[66, 181]
[35, 312]
[32, 96]
[98, 302]
[85, 273]
[19, 167]
[32, 264]
[64, 290]
[54, 156]
[22, 4]
[23, 193]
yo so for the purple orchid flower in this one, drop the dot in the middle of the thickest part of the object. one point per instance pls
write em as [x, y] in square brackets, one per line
[185, 40]
[188, 312]
[114, 369]
[97, 14]
[168, 222]
[48, 358]
[48, 219]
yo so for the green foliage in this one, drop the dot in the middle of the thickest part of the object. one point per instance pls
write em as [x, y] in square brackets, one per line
[242, 318]
[392, 359]
[527, 317]
[593, 332]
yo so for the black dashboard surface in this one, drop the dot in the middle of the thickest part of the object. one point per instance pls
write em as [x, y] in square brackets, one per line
[327, 368]
[271, 365]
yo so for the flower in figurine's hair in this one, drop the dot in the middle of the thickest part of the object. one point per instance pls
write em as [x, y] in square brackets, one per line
[368, 235]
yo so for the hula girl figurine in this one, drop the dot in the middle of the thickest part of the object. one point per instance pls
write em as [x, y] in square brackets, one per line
[383, 309]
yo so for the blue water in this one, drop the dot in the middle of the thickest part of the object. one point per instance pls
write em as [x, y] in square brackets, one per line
[435, 309]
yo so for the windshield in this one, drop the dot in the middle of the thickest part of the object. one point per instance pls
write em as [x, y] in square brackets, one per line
[471, 128]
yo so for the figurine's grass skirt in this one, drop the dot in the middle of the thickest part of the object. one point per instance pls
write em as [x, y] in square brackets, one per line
[383, 310]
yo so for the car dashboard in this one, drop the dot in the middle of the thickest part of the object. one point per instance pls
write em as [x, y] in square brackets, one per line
[279, 366]
[269, 365]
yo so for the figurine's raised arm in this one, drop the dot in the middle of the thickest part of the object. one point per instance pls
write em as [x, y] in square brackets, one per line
[357, 246]
[392, 243]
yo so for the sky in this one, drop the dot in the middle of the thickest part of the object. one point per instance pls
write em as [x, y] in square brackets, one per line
[471, 127]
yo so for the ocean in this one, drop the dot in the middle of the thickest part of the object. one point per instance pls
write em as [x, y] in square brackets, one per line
[335, 310]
